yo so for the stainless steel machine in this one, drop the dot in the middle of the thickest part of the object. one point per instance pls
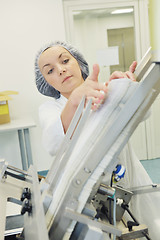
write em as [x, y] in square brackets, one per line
[73, 201]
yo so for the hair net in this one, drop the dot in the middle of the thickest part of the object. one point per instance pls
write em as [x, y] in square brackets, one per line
[42, 85]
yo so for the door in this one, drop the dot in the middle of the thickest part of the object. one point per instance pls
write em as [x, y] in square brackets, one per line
[124, 39]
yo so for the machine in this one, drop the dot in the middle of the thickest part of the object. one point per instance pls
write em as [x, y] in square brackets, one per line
[76, 201]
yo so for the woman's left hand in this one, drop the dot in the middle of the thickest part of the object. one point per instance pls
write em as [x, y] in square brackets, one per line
[128, 74]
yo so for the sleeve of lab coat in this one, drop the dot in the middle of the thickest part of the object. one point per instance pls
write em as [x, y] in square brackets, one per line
[52, 128]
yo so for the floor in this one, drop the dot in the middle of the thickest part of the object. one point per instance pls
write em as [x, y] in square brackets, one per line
[153, 169]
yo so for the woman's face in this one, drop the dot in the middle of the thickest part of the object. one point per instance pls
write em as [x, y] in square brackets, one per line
[60, 69]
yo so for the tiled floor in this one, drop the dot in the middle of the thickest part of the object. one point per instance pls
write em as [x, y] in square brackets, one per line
[153, 169]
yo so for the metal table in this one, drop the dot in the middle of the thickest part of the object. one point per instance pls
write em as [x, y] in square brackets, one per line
[22, 127]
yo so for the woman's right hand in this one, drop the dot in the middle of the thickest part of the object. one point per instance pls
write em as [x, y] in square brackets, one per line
[91, 89]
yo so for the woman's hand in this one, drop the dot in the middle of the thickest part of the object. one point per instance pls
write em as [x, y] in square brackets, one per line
[129, 74]
[91, 88]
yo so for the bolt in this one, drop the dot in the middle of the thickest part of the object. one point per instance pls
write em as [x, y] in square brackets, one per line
[78, 182]
[87, 170]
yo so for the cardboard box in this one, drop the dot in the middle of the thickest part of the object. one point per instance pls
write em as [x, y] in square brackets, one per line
[4, 109]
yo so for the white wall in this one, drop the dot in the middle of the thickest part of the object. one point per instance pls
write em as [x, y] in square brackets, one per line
[25, 26]
[154, 18]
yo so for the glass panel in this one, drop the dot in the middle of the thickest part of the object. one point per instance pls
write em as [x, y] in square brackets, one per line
[96, 32]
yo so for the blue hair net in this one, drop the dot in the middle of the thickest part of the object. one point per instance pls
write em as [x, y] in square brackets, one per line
[42, 85]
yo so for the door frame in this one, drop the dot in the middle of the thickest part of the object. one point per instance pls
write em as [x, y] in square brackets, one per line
[141, 19]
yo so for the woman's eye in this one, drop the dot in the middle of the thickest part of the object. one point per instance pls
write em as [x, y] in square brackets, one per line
[66, 61]
[50, 71]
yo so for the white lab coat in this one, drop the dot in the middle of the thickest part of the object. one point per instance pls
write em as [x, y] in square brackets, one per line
[52, 129]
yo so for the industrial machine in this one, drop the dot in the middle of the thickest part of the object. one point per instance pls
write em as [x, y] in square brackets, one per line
[76, 201]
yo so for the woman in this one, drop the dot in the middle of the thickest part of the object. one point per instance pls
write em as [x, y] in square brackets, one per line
[63, 74]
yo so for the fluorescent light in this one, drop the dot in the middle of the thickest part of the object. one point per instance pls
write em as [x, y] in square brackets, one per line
[76, 12]
[125, 10]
